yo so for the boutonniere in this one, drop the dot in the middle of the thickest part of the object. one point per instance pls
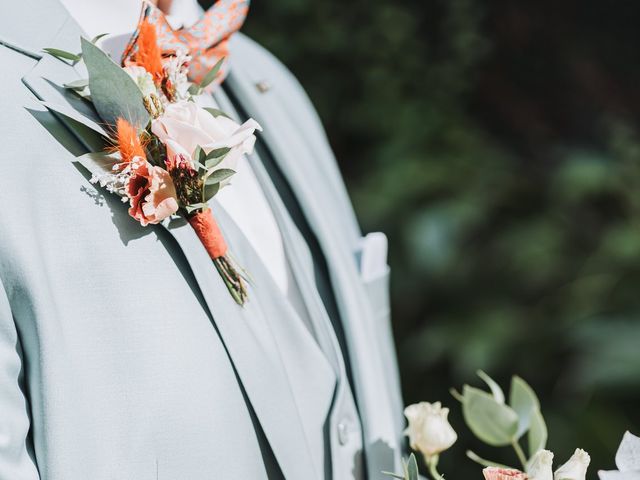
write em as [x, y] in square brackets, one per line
[163, 154]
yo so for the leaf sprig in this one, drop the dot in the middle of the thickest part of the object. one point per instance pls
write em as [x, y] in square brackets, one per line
[499, 424]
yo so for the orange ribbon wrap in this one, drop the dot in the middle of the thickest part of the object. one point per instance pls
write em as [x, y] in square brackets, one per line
[209, 233]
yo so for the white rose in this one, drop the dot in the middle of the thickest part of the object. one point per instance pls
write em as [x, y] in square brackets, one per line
[184, 126]
[143, 80]
[541, 466]
[575, 468]
[429, 430]
[627, 460]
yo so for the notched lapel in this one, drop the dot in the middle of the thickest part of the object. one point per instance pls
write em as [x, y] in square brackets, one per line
[243, 330]
[376, 407]
[47, 80]
[249, 342]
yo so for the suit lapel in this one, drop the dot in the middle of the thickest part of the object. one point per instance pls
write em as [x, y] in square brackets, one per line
[289, 150]
[49, 24]
[244, 331]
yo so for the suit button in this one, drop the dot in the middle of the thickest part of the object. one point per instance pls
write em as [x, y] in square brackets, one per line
[343, 433]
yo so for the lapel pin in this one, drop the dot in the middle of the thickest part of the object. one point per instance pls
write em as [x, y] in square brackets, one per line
[263, 86]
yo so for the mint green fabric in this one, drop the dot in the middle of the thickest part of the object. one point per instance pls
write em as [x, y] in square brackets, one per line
[121, 354]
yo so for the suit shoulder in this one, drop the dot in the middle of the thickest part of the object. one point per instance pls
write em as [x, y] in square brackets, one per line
[248, 51]
[263, 66]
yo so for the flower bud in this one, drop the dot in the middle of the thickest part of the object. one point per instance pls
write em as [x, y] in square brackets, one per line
[575, 468]
[540, 466]
[429, 430]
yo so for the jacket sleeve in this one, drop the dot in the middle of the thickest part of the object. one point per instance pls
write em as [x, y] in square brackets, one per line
[16, 462]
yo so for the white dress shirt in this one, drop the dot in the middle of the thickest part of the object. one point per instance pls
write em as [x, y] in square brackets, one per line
[243, 199]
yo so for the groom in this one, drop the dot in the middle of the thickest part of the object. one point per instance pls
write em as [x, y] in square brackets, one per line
[122, 356]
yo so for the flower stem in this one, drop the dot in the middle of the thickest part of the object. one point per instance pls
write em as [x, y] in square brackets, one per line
[232, 279]
[432, 463]
[520, 454]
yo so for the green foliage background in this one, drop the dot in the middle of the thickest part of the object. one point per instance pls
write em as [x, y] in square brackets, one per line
[495, 142]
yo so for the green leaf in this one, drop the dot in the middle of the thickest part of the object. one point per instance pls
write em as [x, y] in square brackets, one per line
[219, 176]
[113, 92]
[412, 468]
[214, 157]
[524, 401]
[98, 37]
[211, 74]
[199, 155]
[483, 461]
[98, 163]
[210, 191]
[194, 89]
[209, 164]
[63, 54]
[537, 436]
[218, 152]
[497, 392]
[77, 84]
[216, 112]
[492, 422]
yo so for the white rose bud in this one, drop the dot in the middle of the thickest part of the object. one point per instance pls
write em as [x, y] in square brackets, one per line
[575, 468]
[540, 466]
[429, 430]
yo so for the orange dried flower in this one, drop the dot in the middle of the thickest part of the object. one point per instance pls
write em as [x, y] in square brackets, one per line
[128, 141]
[149, 55]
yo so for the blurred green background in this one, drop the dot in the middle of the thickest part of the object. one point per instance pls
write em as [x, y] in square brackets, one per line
[496, 143]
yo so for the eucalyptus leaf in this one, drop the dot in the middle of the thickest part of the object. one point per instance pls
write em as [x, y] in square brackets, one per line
[216, 112]
[524, 401]
[194, 89]
[113, 92]
[497, 392]
[412, 468]
[492, 422]
[537, 436]
[219, 176]
[63, 54]
[211, 74]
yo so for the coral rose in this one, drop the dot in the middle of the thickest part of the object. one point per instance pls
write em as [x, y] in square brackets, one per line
[152, 195]
[495, 473]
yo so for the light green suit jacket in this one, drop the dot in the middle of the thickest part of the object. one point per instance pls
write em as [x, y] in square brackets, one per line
[121, 354]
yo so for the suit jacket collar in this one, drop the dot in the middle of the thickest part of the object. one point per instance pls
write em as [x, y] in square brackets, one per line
[48, 23]
[244, 331]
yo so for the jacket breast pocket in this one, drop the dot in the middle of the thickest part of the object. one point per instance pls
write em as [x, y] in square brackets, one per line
[374, 271]
[377, 288]
[375, 275]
